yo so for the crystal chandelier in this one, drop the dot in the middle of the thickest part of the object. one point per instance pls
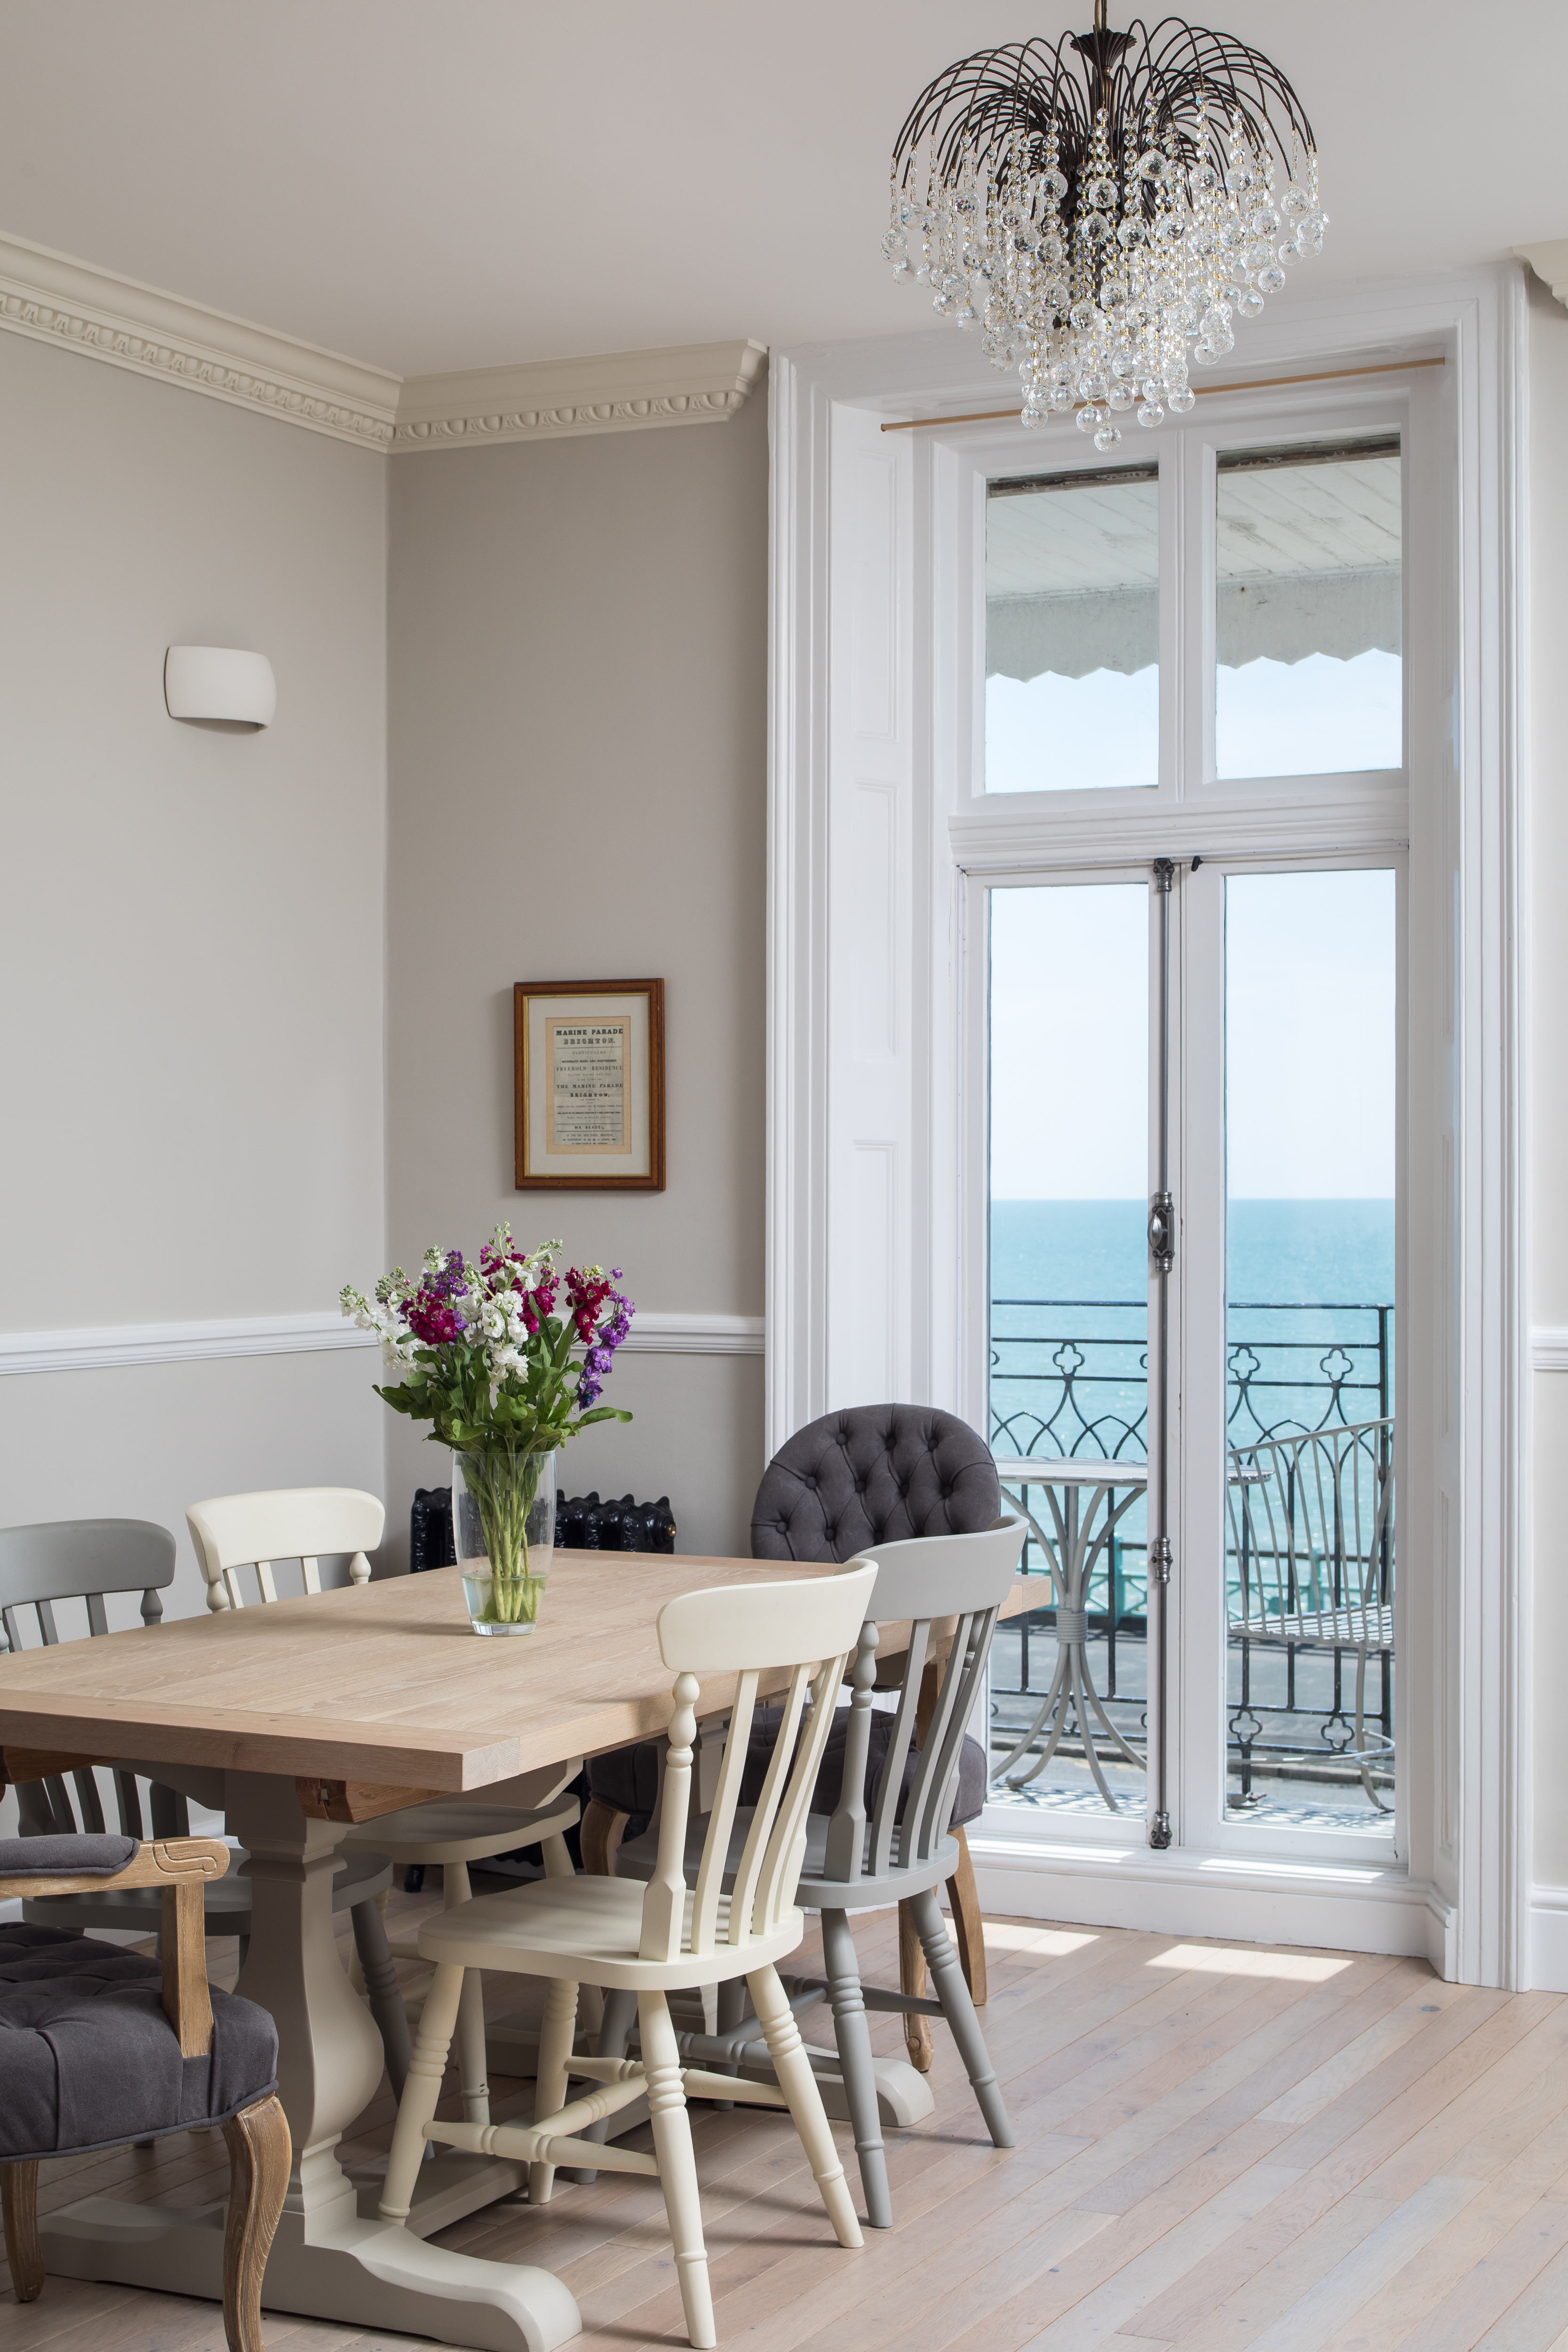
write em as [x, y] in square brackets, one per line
[1105, 207]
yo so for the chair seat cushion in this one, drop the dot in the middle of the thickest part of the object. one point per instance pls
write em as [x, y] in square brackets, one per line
[627, 1778]
[88, 2060]
[72, 1856]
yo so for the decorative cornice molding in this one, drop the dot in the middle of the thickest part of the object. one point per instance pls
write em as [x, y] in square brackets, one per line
[1550, 263]
[618, 391]
[115, 1345]
[55, 300]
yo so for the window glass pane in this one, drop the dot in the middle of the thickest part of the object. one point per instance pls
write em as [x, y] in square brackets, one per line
[1070, 1322]
[1308, 677]
[1073, 632]
[1311, 1127]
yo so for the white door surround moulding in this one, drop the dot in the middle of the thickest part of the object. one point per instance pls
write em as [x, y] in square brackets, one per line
[54, 298]
[867, 675]
[116, 1346]
[1549, 1348]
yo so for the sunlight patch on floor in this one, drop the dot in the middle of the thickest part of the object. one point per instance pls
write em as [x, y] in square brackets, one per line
[1251, 1960]
[1016, 1935]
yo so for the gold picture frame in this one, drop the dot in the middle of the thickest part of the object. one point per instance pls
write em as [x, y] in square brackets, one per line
[588, 1085]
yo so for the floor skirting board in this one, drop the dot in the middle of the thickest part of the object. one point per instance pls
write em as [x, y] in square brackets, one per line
[1549, 1938]
[1189, 1893]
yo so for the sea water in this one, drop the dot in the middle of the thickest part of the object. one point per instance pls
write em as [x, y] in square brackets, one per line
[1310, 1323]
[1278, 1253]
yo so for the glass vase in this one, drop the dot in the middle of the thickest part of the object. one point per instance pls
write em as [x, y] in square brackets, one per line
[503, 1531]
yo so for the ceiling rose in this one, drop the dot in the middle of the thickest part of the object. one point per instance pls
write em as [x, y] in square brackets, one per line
[1103, 208]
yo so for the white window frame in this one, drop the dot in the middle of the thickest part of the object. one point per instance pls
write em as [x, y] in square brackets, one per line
[873, 834]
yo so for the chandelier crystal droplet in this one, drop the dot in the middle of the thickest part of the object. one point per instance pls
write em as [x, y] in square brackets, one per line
[1105, 209]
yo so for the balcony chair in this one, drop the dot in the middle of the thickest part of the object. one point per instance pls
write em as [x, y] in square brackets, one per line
[1311, 1536]
[233, 1533]
[903, 1852]
[843, 1487]
[101, 2047]
[47, 1566]
[675, 1934]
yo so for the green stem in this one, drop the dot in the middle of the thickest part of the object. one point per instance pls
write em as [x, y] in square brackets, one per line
[503, 1483]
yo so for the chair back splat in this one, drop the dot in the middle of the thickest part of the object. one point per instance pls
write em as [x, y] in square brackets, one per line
[81, 1560]
[809, 1628]
[932, 1581]
[232, 1532]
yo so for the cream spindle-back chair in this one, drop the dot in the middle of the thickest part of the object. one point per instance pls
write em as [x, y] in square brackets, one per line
[234, 1532]
[667, 1936]
[304, 1523]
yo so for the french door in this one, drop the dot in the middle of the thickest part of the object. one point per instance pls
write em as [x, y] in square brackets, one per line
[1190, 1136]
[1194, 1096]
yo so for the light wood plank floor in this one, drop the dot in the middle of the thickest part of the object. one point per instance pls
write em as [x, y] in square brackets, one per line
[1218, 2146]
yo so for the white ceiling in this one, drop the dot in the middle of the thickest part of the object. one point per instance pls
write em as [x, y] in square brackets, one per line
[429, 184]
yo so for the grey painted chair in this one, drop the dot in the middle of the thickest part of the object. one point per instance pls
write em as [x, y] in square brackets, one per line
[57, 1561]
[887, 1840]
[843, 1485]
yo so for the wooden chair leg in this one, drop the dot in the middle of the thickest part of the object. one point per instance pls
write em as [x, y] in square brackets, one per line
[602, 1831]
[959, 2012]
[799, 2085]
[558, 1863]
[258, 2160]
[19, 2203]
[968, 1928]
[912, 1980]
[677, 2165]
[373, 1957]
[557, 2035]
[855, 2062]
[418, 2106]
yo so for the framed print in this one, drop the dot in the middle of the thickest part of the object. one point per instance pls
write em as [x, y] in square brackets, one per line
[589, 1080]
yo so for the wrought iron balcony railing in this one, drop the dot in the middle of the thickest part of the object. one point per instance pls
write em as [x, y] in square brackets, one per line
[1309, 1441]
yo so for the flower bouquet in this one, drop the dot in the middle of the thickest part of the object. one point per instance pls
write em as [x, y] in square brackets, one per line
[504, 1379]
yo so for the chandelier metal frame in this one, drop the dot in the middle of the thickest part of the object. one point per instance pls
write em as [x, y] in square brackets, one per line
[1103, 205]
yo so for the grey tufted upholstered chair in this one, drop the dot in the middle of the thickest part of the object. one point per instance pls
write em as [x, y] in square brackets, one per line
[868, 1474]
[874, 1474]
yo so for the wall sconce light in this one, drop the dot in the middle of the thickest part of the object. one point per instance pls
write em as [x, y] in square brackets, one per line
[217, 682]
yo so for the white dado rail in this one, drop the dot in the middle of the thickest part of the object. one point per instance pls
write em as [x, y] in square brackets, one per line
[116, 1345]
[55, 300]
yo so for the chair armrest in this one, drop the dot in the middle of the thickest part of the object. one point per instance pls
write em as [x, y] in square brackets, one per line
[180, 1868]
[161, 1862]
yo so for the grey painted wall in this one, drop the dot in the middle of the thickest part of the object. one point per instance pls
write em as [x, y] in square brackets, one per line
[192, 959]
[577, 758]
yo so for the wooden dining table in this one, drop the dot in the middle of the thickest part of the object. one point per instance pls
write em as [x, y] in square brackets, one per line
[315, 1713]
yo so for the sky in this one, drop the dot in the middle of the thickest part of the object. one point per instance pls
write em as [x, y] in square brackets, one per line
[1315, 717]
[1310, 1038]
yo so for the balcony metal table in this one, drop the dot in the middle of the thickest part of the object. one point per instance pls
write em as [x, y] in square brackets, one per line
[1084, 1518]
